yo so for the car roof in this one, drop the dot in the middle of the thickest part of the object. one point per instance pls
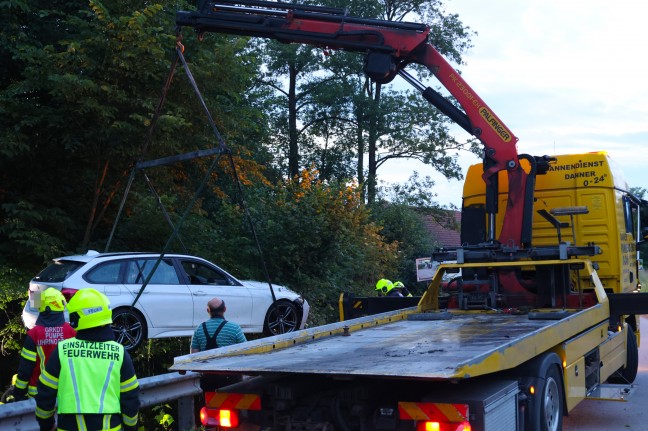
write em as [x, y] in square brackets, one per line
[92, 254]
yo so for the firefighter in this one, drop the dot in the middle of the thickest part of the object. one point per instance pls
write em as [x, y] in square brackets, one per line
[89, 379]
[399, 289]
[384, 286]
[41, 340]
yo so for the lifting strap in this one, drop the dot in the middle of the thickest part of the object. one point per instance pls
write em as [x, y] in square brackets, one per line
[222, 150]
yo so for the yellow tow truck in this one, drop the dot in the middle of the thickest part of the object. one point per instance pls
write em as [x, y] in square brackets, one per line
[542, 315]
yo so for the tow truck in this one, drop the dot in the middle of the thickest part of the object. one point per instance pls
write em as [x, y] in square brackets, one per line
[535, 324]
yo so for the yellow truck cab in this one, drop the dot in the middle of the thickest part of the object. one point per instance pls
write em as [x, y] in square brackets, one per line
[582, 199]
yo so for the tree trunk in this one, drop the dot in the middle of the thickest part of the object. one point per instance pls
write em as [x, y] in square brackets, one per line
[293, 146]
[373, 138]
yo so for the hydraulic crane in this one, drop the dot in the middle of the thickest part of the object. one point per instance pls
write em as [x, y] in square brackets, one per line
[389, 47]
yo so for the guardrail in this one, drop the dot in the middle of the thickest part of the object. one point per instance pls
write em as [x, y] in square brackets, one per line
[154, 390]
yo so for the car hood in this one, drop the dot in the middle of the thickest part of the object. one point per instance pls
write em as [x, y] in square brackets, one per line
[281, 291]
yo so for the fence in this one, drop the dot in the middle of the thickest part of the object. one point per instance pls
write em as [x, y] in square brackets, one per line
[153, 391]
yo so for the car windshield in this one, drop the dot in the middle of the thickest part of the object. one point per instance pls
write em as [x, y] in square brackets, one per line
[58, 271]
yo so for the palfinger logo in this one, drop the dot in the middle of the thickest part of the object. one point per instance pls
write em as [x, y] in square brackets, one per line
[495, 124]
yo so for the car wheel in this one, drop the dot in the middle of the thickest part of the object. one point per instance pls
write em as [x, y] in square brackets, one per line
[282, 317]
[129, 327]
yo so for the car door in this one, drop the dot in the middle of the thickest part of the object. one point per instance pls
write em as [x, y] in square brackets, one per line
[166, 300]
[206, 281]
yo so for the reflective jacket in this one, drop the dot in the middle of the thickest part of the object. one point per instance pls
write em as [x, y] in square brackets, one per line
[39, 344]
[94, 381]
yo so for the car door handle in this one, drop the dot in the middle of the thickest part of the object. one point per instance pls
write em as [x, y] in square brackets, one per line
[199, 293]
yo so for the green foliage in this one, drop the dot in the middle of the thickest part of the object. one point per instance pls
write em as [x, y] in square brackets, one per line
[319, 240]
[163, 417]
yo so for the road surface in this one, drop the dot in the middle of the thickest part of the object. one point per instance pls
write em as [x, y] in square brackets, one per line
[591, 415]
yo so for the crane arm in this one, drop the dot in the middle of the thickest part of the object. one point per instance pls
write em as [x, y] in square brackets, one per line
[388, 47]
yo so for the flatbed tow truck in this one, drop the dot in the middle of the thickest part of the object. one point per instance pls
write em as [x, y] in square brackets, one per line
[527, 331]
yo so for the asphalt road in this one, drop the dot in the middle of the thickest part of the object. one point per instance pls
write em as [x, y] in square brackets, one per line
[593, 415]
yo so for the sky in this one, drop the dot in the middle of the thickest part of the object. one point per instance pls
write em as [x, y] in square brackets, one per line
[565, 76]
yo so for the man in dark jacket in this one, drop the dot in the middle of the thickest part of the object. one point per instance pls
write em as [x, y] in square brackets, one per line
[89, 379]
[41, 341]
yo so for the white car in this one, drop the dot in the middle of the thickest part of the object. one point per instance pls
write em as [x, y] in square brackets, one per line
[174, 301]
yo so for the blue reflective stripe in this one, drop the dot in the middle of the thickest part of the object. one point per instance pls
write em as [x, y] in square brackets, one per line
[129, 384]
[81, 425]
[129, 421]
[30, 355]
[41, 356]
[106, 421]
[74, 384]
[44, 414]
[105, 387]
[49, 380]
[21, 384]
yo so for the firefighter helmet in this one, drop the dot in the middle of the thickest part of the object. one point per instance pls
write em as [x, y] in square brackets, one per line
[399, 285]
[384, 285]
[89, 308]
[52, 299]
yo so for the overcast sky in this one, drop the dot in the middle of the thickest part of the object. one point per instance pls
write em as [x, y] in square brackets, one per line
[565, 76]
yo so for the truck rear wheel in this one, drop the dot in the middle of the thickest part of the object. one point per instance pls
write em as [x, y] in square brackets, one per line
[551, 407]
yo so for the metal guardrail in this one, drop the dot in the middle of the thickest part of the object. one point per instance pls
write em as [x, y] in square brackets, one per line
[154, 390]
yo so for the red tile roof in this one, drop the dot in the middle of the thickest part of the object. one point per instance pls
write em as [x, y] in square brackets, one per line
[445, 228]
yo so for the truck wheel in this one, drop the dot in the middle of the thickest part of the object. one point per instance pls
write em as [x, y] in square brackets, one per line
[628, 373]
[129, 327]
[282, 317]
[551, 414]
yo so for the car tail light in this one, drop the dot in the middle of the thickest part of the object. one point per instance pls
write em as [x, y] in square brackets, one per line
[224, 418]
[443, 426]
[68, 293]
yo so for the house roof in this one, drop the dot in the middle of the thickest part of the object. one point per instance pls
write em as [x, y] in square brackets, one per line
[445, 228]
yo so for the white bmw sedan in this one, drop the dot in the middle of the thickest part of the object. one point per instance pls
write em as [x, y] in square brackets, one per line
[172, 295]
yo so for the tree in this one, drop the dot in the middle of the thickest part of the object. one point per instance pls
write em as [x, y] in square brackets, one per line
[328, 112]
[80, 86]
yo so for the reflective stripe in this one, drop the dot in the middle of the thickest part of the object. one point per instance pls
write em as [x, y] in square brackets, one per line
[44, 414]
[21, 384]
[49, 380]
[129, 384]
[80, 421]
[129, 421]
[106, 422]
[74, 385]
[42, 357]
[32, 391]
[30, 355]
[102, 397]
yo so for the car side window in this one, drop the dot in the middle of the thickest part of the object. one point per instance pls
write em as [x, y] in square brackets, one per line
[106, 273]
[138, 271]
[199, 273]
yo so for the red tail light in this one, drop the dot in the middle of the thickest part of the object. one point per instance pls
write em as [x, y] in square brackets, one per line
[68, 293]
[219, 417]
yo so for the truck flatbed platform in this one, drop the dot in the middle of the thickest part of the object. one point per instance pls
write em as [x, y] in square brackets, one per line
[390, 345]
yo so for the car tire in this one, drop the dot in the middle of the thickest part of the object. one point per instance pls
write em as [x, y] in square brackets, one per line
[282, 317]
[129, 327]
